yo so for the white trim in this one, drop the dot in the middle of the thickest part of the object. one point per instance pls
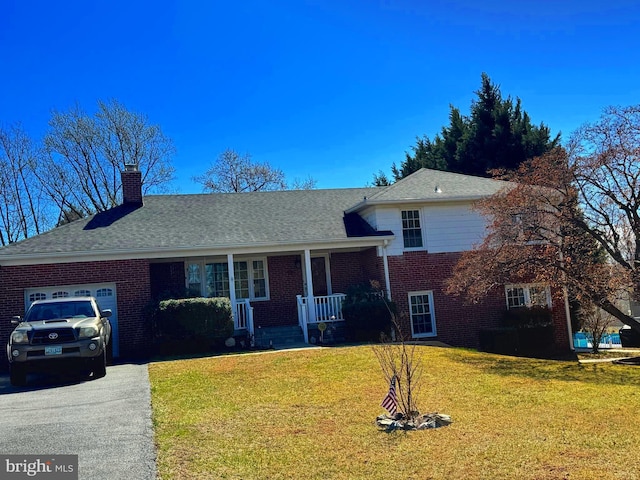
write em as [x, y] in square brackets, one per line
[191, 251]
[422, 201]
[423, 233]
[309, 283]
[526, 287]
[429, 294]
[203, 262]
[327, 270]
[385, 263]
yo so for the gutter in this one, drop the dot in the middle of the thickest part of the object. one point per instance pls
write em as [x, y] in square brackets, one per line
[191, 251]
[409, 201]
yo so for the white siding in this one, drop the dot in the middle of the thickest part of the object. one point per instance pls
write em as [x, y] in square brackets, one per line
[370, 215]
[389, 219]
[453, 228]
[445, 227]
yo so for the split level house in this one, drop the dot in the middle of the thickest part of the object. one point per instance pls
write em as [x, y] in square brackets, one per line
[284, 258]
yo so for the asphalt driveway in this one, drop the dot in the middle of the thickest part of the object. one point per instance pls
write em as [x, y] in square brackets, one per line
[106, 422]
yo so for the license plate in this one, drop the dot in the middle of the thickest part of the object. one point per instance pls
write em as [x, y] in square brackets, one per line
[53, 350]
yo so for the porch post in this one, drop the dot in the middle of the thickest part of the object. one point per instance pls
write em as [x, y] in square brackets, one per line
[311, 306]
[232, 289]
[385, 262]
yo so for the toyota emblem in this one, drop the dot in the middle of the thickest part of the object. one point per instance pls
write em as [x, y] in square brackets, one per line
[53, 336]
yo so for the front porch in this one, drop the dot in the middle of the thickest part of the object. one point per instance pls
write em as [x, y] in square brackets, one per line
[312, 312]
[285, 289]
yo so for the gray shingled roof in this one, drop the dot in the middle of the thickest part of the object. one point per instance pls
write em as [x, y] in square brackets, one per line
[211, 221]
[435, 185]
[206, 222]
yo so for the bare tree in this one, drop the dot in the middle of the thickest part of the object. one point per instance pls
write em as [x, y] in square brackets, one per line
[596, 322]
[22, 207]
[87, 153]
[308, 183]
[397, 358]
[235, 173]
[564, 212]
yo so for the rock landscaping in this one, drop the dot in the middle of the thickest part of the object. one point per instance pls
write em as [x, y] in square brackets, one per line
[420, 422]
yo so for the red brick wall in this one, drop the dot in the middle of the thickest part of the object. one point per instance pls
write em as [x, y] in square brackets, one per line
[285, 282]
[353, 268]
[457, 323]
[132, 288]
[167, 280]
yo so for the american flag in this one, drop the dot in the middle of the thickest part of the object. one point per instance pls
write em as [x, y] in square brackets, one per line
[390, 401]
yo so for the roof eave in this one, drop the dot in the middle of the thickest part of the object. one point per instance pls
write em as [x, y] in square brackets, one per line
[412, 201]
[190, 251]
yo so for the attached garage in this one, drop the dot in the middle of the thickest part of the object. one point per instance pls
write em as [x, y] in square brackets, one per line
[105, 294]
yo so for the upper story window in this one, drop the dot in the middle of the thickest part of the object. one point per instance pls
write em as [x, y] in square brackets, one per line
[411, 229]
[527, 296]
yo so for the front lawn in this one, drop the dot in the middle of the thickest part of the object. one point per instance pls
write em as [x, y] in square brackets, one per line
[310, 414]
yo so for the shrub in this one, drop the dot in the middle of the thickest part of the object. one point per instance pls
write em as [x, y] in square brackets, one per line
[533, 329]
[204, 321]
[367, 315]
[528, 317]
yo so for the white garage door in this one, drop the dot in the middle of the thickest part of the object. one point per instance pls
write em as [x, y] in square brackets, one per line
[105, 294]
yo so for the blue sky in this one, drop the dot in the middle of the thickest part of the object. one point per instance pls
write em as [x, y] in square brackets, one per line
[335, 90]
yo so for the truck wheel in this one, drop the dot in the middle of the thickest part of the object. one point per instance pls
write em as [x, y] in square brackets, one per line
[18, 375]
[100, 365]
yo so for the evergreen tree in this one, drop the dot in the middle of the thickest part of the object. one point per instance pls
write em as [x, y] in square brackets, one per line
[496, 134]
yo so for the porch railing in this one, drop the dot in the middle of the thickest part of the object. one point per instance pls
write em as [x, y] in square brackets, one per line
[243, 317]
[326, 308]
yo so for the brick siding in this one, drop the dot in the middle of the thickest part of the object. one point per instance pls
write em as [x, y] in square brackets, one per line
[132, 285]
[457, 322]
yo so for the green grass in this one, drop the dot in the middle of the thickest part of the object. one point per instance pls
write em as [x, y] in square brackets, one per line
[310, 414]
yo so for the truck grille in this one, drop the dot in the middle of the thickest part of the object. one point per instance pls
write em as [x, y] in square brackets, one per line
[64, 335]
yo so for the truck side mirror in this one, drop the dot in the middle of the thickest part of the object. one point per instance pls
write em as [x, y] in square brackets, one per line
[106, 313]
[16, 320]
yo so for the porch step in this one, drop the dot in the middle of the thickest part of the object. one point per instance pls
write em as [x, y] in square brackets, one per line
[278, 336]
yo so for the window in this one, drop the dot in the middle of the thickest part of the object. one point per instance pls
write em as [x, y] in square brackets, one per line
[194, 277]
[37, 296]
[527, 296]
[217, 279]
[259, 279]
[528, 226]
[104, 292]
[82, 293]
[60, 294]
[422, 316]
[411, 230]
[250, 279]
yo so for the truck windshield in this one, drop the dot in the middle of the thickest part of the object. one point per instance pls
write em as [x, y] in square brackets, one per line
[50, 311]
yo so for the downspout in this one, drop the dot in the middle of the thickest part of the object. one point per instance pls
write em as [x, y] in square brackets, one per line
[385, 262]
[567, 310]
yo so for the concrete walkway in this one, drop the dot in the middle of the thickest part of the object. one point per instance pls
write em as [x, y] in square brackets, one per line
[106, 422]
[624, 353]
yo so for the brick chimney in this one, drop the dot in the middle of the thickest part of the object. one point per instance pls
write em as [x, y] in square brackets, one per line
[131, 185]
